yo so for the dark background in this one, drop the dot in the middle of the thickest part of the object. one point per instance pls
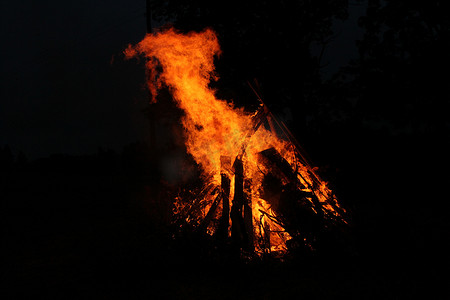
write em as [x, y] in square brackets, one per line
[86, 161]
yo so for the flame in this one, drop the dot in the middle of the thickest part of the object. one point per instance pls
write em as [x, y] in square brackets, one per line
[214, 127]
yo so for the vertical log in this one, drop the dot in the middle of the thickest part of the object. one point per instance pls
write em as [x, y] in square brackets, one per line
[267, 237]
[248, 216]
[226, 200]
[225, 163]
[238, 184]
[238, 233]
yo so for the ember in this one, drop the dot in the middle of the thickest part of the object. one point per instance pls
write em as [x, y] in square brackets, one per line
[254, 172]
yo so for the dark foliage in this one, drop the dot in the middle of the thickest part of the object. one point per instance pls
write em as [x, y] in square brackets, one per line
[267, 40]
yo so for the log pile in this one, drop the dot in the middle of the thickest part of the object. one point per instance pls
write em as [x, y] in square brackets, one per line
[296, 209]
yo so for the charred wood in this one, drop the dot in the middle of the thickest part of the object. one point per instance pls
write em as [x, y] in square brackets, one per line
[225, 191]
[281, 169]
[204, 224]
[238, 232]
[278, 165]
[248, 216]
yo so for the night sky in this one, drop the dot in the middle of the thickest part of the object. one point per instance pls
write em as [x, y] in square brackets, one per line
[65, 85]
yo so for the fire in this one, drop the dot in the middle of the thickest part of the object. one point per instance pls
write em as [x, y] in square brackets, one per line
[215, 131]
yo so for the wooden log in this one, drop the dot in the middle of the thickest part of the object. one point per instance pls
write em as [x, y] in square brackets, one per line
[281, 168]
[277, 164]
[238, 200]
[248, 215]
[238, 233]
[225, 162]
[267, 238]
[204, 224]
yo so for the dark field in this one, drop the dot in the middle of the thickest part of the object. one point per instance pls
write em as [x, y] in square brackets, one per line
[98, 226]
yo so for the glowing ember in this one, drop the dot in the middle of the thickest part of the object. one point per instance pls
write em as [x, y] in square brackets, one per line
[215, 129]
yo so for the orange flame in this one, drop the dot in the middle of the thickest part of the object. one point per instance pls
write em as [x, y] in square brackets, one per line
[214, 127]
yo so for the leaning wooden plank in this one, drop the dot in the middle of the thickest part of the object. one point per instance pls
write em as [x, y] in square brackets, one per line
[204, 224]
[272, 158]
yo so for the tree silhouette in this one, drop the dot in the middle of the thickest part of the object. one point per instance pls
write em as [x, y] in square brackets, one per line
[267, 40]
[400, 76]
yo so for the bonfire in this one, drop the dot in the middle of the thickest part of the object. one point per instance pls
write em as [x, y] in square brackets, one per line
[259, 191]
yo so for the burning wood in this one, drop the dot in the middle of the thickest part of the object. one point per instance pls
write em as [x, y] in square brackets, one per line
[225, 189]
[270, 173]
